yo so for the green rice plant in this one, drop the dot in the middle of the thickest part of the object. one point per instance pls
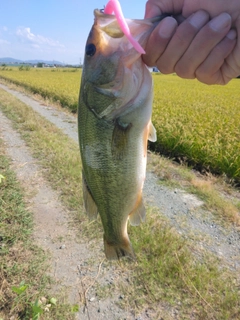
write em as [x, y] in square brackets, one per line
[60, 86]
[198, 123]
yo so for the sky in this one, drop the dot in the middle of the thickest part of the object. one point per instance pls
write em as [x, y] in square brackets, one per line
[52, 29]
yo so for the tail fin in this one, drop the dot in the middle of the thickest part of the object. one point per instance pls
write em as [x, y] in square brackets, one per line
[117, 251]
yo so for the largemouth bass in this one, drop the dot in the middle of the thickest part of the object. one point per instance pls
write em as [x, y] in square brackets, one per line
[114, 122]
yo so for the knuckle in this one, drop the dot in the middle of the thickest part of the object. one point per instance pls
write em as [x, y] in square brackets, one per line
[210, 77]
[165, 68]
[183, 71]
[204, 77]
[201, 73]
[207, 76]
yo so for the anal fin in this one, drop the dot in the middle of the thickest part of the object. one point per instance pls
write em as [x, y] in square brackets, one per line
[89, 203]
[138, 215]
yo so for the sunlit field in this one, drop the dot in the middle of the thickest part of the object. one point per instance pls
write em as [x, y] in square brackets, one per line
[57, 84]
[196, 123]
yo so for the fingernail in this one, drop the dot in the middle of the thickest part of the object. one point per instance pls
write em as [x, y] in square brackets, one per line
[221, 22]
[199, 19]
[232, 34]
[167, 27]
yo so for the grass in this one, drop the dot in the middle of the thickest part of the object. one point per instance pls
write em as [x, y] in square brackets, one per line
[61, 158]
[23, 268]
[167, 270]
[167, 274]
[211, 189]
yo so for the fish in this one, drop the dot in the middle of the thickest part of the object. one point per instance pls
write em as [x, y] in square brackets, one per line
[114, 125]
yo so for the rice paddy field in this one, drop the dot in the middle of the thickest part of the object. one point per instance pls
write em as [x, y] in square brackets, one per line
[195, 123]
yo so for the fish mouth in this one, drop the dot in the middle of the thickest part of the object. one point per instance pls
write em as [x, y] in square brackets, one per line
[140, 28]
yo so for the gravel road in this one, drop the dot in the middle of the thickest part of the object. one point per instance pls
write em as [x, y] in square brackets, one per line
[183, 210]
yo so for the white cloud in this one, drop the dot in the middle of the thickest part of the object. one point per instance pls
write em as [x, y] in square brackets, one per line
[26, 36]
[5, 28]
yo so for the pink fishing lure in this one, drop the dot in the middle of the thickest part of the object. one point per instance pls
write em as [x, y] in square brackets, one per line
[113, 6]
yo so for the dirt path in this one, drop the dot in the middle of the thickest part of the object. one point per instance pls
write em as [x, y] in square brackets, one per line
[70, 259]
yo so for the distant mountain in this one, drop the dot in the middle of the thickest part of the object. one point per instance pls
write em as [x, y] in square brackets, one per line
[8, 60]
[43, 61]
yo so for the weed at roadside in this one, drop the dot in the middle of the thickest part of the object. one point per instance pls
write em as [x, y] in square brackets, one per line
[166, 270]
[23, 267]
[206, 188]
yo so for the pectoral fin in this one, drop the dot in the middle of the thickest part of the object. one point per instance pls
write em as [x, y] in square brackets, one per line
[152, 135]
[90, 205]
[138, 215]
[120, 140]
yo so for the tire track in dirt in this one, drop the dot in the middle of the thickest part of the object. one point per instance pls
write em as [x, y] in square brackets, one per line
[70, 263]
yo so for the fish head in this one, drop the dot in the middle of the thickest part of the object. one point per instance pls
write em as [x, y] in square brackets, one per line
[107, 47]
[101, 53]
[113, 69]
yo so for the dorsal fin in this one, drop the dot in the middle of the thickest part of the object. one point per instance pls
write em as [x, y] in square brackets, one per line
[89, 203]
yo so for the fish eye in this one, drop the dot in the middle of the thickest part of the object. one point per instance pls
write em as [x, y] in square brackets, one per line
[90, 50]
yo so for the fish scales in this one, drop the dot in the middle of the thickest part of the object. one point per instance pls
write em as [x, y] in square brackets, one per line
[114, 122]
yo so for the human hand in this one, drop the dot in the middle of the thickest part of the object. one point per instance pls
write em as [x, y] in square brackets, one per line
[203, 46]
